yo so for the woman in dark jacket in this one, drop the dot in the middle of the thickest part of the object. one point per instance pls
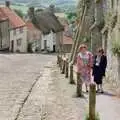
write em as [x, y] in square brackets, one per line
[99, 68]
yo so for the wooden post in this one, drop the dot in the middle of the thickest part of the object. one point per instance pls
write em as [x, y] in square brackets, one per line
[60, 63]
[63, 66]
[58, 60]
[71, 74]
[79, 85]
[92, 102]
[66, 68]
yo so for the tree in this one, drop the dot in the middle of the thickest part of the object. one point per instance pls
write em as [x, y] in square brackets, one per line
[71, 16]
[19, 13]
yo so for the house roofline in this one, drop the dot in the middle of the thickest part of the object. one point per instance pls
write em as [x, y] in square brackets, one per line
[13, 28]
[2, 20]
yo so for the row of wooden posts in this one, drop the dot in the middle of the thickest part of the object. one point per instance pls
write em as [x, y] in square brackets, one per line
[67, 69]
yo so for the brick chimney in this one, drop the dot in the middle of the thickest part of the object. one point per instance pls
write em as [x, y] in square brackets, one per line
[7, 3]
[31, 12]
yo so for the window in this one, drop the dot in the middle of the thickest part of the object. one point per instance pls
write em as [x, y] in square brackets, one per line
[14, 32]
[21, 30]
[19, 42]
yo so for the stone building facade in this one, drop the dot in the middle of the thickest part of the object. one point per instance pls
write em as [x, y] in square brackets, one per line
[110, 35]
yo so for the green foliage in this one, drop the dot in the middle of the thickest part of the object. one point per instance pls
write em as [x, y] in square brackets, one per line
[71, 16]
[39, 10]
[97, 117]
[116, 48]
[19, 13]
[97, 1]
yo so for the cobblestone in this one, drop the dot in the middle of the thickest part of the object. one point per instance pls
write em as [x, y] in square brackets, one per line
[32, 88]
[18, 72]
[53, 99]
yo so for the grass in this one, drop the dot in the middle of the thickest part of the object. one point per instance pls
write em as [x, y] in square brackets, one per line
[23, 8]
[97, 117]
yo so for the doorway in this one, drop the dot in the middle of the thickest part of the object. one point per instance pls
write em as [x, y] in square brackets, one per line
[54, 48]
[45, 45]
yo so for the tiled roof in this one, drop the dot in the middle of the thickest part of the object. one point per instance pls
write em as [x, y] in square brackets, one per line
[14, 19]
[31, 26]
[67, 40]
[2, 16]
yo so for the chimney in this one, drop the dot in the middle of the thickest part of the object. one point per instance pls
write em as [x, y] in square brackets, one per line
[31, 12]
[7, 3]
[31, 9]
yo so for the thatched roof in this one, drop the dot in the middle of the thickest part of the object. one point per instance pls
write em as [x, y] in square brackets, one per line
[46, 21]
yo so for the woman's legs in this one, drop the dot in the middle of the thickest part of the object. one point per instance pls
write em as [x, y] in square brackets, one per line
[101, 88]
[86, 87]
[98, 88]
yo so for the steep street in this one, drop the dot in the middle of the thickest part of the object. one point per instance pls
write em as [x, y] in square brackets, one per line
[18, 75]
[32, 88]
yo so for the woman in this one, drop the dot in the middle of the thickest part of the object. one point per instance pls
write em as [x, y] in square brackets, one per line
[99, 68]
[84, 64]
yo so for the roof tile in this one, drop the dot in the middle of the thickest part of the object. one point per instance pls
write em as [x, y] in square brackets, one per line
[2, 16]
[14, 19]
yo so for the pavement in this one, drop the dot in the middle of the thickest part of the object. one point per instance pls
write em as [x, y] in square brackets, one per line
[32, 88]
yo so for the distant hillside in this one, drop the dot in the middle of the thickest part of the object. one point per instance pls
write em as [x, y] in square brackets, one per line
[64, 5]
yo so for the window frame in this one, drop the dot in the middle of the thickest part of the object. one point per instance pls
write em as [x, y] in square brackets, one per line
[19, 42]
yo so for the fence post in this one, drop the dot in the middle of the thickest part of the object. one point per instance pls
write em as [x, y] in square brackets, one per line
[60, 63]
[58, 59]
[63, 66]
[66, 68]
[79, 85]
[92, 102]
[71, 74]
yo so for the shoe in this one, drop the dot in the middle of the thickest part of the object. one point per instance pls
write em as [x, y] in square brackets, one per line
[102, 91]
[97, 91]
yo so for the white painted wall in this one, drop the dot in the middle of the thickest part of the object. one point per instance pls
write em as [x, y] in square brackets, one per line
[51, 40]
[18, 35]
[34, 37]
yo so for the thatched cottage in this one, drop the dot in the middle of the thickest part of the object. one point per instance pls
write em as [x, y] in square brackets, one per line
[51, 28]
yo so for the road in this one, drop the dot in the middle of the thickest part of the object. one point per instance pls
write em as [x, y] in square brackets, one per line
[32, 88]
[18, 75]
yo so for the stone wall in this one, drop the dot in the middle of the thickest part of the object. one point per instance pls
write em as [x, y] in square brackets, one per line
[112, 35]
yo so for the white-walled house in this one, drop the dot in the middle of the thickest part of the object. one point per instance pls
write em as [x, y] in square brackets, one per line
[33, 37]
[51, 29]
[48, 42]
[4, 32]
[18, 30]
[18, 39]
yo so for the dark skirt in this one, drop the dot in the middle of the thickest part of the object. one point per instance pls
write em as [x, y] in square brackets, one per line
[98, 76]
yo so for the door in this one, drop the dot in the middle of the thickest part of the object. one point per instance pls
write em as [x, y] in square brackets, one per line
[12, 46]
[45, 45]
[54, 48]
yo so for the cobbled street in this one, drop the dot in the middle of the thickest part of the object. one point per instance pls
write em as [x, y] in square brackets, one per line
[32, 88]
[18, 75]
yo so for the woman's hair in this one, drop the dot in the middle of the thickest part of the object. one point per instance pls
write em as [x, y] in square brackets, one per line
[82, 46]
[101, 50]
